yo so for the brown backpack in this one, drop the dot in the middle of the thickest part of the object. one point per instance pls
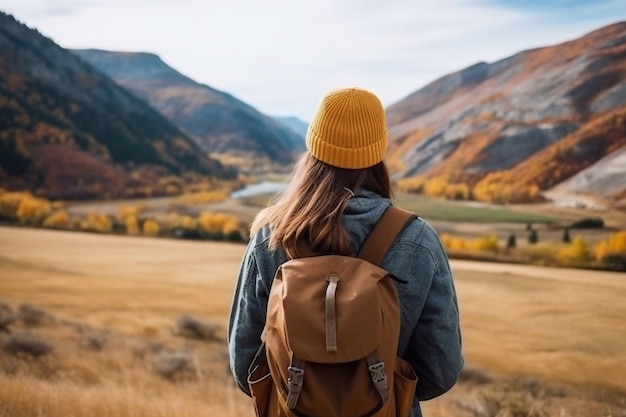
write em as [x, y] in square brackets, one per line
[331, 336]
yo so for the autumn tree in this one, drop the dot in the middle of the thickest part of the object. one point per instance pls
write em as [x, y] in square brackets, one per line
[615, 244]
[132, 225]
[487, 243]
[97, 222]
[576, 252]
[58, 219]
[151, 227]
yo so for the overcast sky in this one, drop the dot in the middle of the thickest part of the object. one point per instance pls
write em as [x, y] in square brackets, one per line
[281, 56]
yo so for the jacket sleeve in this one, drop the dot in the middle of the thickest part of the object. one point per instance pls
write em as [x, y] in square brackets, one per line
[247, 319]
[435, 346]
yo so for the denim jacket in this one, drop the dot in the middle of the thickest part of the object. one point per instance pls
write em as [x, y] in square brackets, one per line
[430, 337]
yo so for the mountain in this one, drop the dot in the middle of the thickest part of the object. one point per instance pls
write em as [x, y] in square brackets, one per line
[536, 118]
[294, 124]
[218, 122]
[67, 131]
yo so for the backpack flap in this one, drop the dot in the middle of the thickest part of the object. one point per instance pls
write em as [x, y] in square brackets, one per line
[312, 295]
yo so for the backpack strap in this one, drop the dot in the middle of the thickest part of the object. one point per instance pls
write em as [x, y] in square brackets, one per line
[393, 222]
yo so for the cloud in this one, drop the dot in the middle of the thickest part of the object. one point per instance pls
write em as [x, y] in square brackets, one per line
[281, 56]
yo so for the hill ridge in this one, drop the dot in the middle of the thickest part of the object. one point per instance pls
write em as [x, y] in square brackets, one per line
[482, 123]
[73, 132]
[219, 122]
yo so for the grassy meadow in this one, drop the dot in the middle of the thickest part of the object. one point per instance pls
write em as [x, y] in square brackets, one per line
[538, 341]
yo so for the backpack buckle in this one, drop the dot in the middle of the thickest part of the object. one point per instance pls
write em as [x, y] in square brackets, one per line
[294, 385]
[379, 378]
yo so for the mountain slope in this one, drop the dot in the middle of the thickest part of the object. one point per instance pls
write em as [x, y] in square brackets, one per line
[217, 121]
[67, 131]
[294, 124]
[537, 117]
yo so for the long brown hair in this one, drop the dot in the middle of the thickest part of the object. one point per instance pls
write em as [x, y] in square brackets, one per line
[310, 208]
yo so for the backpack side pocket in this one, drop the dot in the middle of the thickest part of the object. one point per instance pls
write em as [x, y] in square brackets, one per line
[260, 383]
[405, 382]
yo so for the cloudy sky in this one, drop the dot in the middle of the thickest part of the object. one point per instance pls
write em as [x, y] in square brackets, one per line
[281, 56]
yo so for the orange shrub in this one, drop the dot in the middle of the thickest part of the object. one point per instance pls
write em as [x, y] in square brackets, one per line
[59, 218]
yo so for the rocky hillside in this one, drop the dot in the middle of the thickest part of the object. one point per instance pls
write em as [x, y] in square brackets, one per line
[67, 131]
[217, 121]
[536, 118]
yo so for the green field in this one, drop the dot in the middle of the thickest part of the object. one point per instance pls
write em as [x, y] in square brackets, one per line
[457, 211]
[453, 211]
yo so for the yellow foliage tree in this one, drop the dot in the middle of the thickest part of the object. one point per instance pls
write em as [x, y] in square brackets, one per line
[203, 197]
[10, 201]
[575, 252]
[411, 185]
[614, 244]
[457, 191]
[151, 227]
[211, 222]
[488, 192]
[454, 243]
[59, 218]
[435, 187]
[33, 209]
[125, 211]
[97, 222]
[188, 222]
[132, 225]
[232, 225]
[485, 244]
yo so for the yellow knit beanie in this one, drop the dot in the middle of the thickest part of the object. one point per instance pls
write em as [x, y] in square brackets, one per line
[349, 129]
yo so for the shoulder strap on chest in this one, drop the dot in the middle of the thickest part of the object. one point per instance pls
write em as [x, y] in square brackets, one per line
[393, 221]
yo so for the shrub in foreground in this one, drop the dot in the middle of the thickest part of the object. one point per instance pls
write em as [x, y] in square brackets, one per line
[193, 328]
[31, 315]
[516, 399]
[28, 344]
[173, 364]
[7, 317]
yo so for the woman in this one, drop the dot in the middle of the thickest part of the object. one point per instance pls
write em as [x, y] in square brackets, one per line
[338, 191]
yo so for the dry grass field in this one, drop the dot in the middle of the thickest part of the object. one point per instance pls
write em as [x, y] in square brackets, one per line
[537, 341]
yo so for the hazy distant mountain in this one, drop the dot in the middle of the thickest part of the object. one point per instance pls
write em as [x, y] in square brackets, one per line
[294, 124]
[68, 131]
[537, 117]
[218, 122]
